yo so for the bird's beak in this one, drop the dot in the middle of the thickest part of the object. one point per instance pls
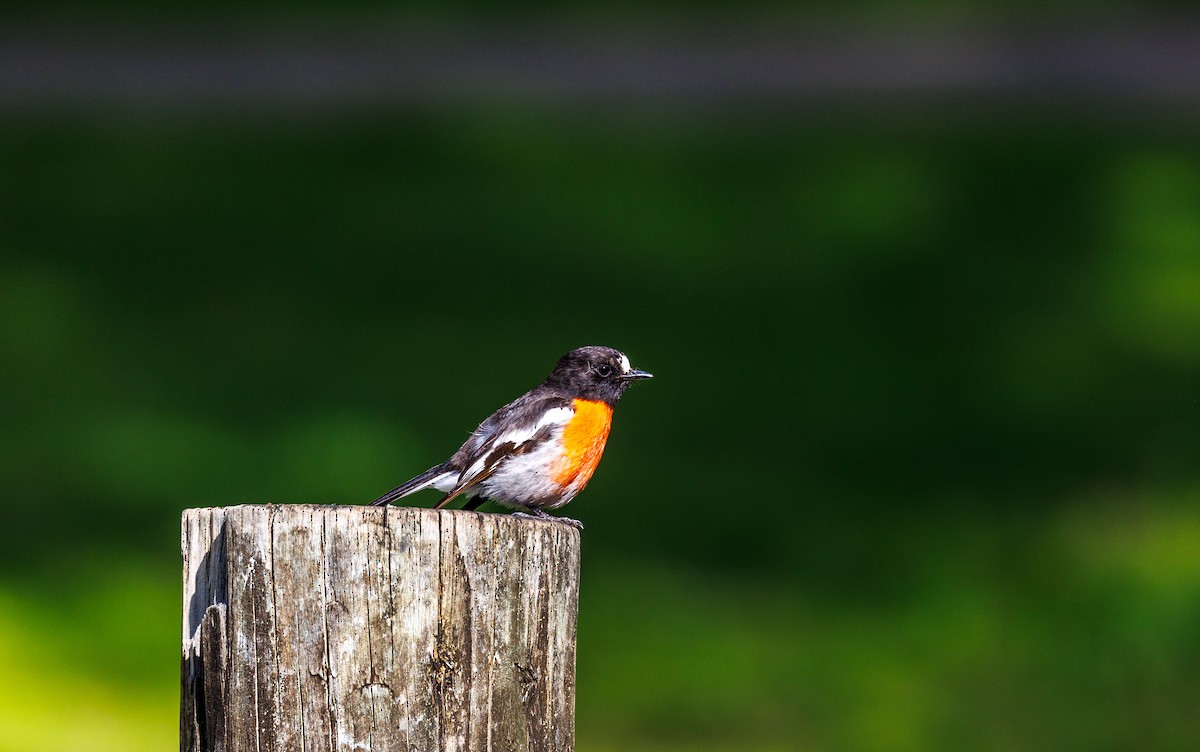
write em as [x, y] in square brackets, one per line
[636, 374]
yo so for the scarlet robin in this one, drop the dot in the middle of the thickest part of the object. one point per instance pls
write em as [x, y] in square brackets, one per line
[540, 450]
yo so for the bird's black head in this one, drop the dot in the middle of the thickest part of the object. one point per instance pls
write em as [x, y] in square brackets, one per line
[595, 373]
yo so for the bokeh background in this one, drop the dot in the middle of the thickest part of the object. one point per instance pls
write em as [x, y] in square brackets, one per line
[922, 294]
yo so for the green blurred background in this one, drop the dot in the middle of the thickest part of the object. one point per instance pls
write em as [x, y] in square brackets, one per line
[918, 470]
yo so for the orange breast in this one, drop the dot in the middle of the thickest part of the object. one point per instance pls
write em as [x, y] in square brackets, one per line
[583, 442]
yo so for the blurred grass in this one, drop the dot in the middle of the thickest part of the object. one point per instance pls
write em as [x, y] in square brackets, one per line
[1065, 638]
[87, 658]
[917, 472]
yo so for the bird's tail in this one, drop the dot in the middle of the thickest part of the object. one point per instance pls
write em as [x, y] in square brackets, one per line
[419, 483]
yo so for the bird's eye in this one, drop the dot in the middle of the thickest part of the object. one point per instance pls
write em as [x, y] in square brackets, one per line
[604, 370]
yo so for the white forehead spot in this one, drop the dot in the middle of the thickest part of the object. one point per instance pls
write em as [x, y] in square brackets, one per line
[625, 367]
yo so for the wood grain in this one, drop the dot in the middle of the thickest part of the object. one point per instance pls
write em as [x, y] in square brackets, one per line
[360, 628]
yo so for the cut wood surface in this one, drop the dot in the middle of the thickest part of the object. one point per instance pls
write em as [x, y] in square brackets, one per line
[362, 628]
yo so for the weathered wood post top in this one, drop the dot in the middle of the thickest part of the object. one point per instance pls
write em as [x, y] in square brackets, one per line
[366, 628]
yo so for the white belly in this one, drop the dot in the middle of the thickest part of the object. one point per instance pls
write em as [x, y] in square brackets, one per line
[527, 480]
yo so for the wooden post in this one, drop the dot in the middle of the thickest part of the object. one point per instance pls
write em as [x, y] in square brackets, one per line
[364, 628]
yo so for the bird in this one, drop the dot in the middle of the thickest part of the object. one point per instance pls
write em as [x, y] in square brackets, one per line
[540, 450]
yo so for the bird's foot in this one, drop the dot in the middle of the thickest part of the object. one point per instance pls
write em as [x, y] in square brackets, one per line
[568, 521]
[538, 514]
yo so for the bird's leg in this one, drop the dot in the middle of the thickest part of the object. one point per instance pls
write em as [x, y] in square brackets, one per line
[537, 514]
[473, 504]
